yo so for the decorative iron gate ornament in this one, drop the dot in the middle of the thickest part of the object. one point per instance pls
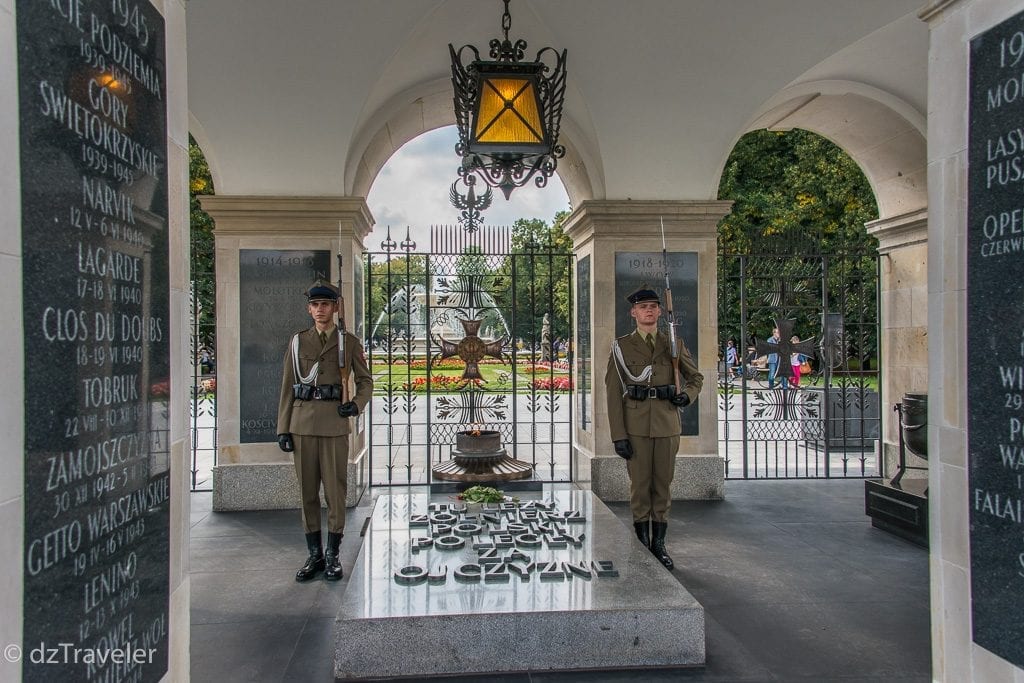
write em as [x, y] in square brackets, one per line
[472, 298]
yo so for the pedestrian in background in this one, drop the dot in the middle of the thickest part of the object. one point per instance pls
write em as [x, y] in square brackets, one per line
[732, 359]
[773, 361]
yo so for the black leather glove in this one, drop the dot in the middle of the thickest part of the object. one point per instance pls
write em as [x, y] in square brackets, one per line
[348, 409]
[623, 448]
[680, 400]
[285, 443]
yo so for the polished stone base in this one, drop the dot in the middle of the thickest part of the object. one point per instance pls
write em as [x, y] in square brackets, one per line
[570, 588]
[271, 486]
[501, 468]
[697, 477]
[901, 509]
[531, 483]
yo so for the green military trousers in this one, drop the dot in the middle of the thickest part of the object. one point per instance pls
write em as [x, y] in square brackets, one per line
[322, 459]
[650, 477]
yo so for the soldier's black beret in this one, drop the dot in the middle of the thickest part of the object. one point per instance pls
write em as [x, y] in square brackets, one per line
[322, 290]
[643, 294]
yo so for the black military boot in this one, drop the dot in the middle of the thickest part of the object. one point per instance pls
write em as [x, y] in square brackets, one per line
[315, 561]
[333, 571]
[643, 532]
[658, 544]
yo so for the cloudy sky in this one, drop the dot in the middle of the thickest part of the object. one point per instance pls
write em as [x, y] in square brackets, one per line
[412, 190]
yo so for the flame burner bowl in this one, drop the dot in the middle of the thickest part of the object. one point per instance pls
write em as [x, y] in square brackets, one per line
[479, 456]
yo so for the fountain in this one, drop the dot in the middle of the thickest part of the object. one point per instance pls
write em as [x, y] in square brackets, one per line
[406, 313]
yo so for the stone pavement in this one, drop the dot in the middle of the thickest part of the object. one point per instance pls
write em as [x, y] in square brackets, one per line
[796, 586]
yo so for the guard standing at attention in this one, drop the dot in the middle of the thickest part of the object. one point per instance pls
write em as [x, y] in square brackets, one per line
[643, 415]
[314, 418]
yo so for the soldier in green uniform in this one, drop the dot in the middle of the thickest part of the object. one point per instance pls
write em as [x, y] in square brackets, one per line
[643, 415]
[314, 418]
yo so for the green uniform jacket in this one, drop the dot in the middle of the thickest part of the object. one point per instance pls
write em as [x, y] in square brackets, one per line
[320, 418]
[650, 417]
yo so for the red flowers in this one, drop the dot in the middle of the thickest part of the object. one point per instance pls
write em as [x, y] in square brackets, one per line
[437, 383]
[549, 383]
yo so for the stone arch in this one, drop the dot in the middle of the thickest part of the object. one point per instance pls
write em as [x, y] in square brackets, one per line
[196, 130]
[882, 133]
[427, 107]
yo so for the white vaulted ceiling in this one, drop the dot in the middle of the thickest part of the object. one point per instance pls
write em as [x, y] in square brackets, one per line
[310, 97]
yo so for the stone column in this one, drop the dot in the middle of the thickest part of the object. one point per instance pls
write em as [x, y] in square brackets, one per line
[599, 229]
[903, 247]
[955, 655]
[258, 476]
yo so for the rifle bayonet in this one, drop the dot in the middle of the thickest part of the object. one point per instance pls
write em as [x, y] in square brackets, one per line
[669, 315]
[341, 319]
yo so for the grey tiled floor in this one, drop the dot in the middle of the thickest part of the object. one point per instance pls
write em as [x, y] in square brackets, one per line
[796, 584]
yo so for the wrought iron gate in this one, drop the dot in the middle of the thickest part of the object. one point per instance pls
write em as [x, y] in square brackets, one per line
[519, 297]
[827, 423]
[203, 390]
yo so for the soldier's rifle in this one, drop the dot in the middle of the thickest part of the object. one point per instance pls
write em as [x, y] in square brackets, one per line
[669, 315]
[343, 376]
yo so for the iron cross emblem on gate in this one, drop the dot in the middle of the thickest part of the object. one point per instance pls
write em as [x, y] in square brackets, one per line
[785, 348]
[471, 349]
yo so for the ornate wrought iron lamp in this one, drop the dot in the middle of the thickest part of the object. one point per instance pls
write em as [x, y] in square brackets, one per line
[508, 112]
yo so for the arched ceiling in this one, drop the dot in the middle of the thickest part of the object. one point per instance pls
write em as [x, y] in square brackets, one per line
[306, 98]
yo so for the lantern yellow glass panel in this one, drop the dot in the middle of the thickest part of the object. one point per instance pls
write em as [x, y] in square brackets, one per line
[508, 113]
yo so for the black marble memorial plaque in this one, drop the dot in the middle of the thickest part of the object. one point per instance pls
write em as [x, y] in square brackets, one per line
[583, 359]
[634, 269]
[93, 158]
[272, 307]
[995, 338]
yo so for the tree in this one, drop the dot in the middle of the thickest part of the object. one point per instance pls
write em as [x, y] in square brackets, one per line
[797, 195]
[201, 246]
[541, 255]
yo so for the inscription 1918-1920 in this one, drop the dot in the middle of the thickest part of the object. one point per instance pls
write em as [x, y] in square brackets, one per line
[93, 159]
[272, 308]
[636, 269]
[995, 338]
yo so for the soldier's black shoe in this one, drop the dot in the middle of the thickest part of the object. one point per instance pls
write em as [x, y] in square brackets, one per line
[658, 530]
[315, 562]
[643, 532]
[333, 570]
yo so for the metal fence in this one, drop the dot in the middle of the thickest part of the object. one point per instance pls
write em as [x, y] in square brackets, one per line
[827, 423]
[202, 397]
[516, 299]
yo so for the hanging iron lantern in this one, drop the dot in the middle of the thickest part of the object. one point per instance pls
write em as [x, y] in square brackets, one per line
[508, 112]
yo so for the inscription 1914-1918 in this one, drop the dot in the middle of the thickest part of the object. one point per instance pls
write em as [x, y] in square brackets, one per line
[636, 269]
[93, 159]
[995, 338]
[271, 300]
